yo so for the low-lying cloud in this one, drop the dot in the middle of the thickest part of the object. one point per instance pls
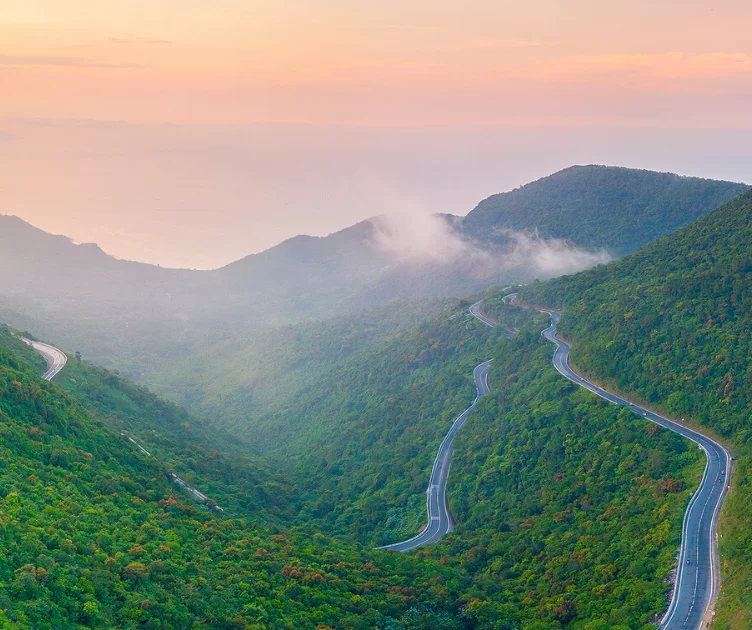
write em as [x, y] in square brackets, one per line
[419, 238]
[424, 239]
[546, 258]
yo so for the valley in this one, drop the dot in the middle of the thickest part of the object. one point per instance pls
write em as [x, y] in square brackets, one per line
[375, 316]
[317, 439]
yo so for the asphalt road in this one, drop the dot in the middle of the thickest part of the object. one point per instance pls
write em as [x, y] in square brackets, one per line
[440, 520]
[698, 569]
[56, 359]
[475, 310]
[698, 573]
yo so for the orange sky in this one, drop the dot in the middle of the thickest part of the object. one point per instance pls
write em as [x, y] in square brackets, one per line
[188, 76]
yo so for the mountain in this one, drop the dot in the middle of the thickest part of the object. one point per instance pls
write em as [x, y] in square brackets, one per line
[240, 377]
[617, 209]
[671, 324]
[586, 514]
[95, 534]
[72, 273]
[569, 510]
[131, 315]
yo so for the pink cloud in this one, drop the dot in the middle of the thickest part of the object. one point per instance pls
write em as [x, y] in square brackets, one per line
[663, 70]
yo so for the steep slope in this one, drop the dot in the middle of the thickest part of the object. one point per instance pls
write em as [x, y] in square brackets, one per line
[569, 511]
[173, 564]
[95, 535]
[567, 507]
[360, 441]
[171, 435]
[358, 448]
[671, 323]
[615, 208]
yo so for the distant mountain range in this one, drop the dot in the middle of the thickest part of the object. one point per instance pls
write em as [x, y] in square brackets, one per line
[345, 416]
[82, 297]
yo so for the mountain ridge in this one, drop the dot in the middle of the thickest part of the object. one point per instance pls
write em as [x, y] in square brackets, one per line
[363, 229]
[637, 191]
[125, 314]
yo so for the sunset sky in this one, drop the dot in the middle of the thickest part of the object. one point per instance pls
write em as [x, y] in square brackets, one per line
[190, 133]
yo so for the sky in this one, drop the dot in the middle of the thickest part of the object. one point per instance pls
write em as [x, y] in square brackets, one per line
[188, 133]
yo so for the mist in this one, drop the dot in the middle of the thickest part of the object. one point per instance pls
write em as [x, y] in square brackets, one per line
[431, 239]
[547, 258]
[421, 238]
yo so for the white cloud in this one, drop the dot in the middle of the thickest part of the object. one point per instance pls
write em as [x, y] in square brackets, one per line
[420, 238]
[546, 258]
[430, 239]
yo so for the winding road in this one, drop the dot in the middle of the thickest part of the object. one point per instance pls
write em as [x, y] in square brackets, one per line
[440, 521]
[56, 359]
[698, 569]
[475, 310]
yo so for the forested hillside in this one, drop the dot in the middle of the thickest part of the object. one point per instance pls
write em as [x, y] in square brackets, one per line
[545, 478]
[618, 209]
[176, 439]
[569, 508]
[95, 535]
[362, 441]
[235, 377]
[671, 325]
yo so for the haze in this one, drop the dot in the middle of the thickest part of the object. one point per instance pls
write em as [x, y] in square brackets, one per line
[191, 134]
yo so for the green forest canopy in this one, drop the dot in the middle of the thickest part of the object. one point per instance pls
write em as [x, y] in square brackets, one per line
[672, 325]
